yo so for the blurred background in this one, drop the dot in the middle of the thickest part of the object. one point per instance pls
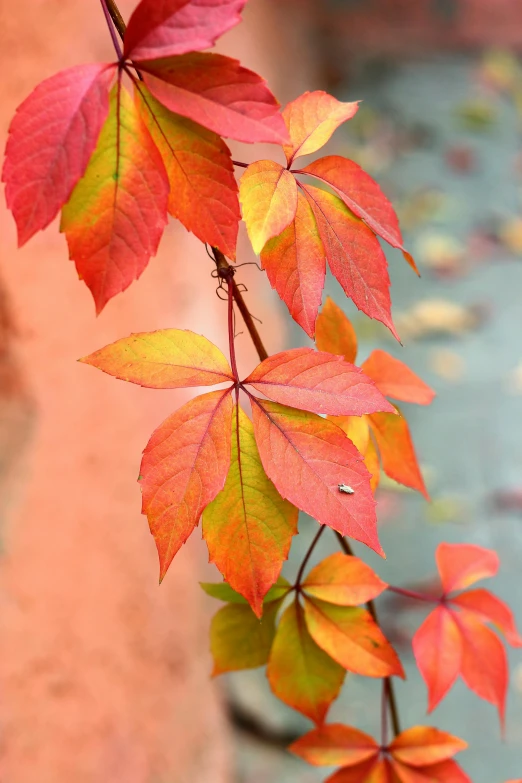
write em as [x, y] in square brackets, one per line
[104, 677]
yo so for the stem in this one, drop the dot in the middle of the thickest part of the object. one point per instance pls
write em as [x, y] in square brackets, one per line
[413, 594]
[231, 343]
[109, 20]
[242, 165]
[384, 714]
[308, 555]
[116, 17]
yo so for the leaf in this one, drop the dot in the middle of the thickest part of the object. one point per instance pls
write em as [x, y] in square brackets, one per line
[162, 28]
[239, 640]
[371, 460]
[335, 333]
[344, 580]
[299, 672]
[354, 255]
[356, 428]
[268, 195]
[165, 359]
[307, 457]
[248, 527]
[335, 745]
[219, 94]
[445, 772]
[223, 592]
[367, 772]
[363, 196]
[295, 265]
[203, 189]
[184, 466]
[489, 608]
[318, 382]
[461, 565]
[422, 746]
[351, 638]
[437, 647]
[397, 452]
[311, 120]
[395, 379]
[115, 217]
[51, 138]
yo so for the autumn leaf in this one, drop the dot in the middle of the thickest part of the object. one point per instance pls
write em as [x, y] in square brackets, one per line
[445, 772]
[216, 92]
[162, 28]
[184, 467]
[335, 333]
[344, 580]
[51, 139]
[489, 608]
[248, 527]
[307, 457]
[268, 195]
[437, 646]
[299, 672]
[461, 565]
[311, 120]
[115, 217]
[395, 379]
[333, 745]
[223, 592]
[422, 746]
[368, 772]
[203, 189]
[318, 382]
[396, 449]
[165, 359]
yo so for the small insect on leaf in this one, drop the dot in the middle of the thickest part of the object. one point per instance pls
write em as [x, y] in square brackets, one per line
[346, 489]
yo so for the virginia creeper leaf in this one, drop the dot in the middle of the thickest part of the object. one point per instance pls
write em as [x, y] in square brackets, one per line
[334, 745]
[248, 527]
[444, 772]
[51, 138]
[362, 195]
[165, 359]
[268, 195]
[461, 565]
[115, 217]
[437, 646]
[354, 255]
[295, 265]
[367, 772]
[344, 580]
[335, 333]
[239, 639]
[351, 638]
[307, 457]
[357, 429]
[299, 672]
[422, 746]
[162, 28]
[311, 120]
[371, 460]
[318, 382]
[488, 607]
[184, 466]
[395, 379]
[203, 189]
[219, 94]
[397, 452]
[223, 592]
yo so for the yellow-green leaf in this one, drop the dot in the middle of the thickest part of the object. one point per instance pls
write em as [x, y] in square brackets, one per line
[240, 640]
[268, 195]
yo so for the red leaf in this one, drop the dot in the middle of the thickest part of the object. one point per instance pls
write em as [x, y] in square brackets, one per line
[362, 195]
[318, 382]
[184, 466]
[307, 457]
[490, 608]
[335, 745]
[335, 332]
[162, 28]
[395, 379]
[422, 746]
[398, 456]
[219, 94]
[354, 254]
[445, 772]
[115, 217]
[437, 647]
[295, 265]
[51, 139]
[268, 195]
[461, 565]
[344, 580]
[367, 772]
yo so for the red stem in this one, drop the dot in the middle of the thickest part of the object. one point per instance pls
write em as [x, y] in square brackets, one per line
[231, 342]
[413, 594]
[114, 37]
[308, 556]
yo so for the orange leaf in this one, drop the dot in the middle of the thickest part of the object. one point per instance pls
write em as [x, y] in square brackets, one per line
[334, 745]
[344, 580]
[356, 428]
[363, 196]
[461, 565]
[422, 746]
[394, 379]
[184, 466]
[488, 607]
[335, 333]
[354, 255]
[299, 672]
[351, 638]
[371, 460]
[367, 772]
[295, 265]
[395, 445]
[311, 120]
[318, 382]
[437, 647]
[445, 772]
[240, 640]
[166, 359]
[307, 458]
[268, 195]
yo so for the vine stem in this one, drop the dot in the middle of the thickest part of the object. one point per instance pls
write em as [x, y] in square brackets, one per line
[384, 714]
[231, 343]
[413, 594]
[308, 556]
[116, 17]
[114, 37]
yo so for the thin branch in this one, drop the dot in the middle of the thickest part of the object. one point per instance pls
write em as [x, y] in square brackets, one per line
[117, 18]
[308, 555]
[114, 37]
